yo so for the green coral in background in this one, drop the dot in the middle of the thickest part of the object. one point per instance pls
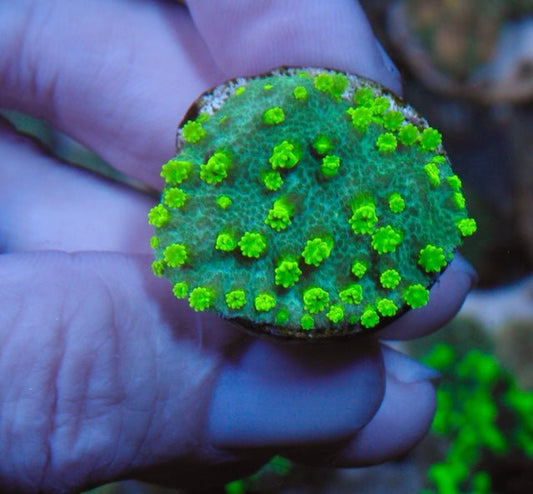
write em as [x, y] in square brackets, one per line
[484, 416]
[309, 203]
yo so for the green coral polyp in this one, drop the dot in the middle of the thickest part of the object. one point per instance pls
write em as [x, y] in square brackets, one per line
[386, 307]
[225, 242]
[175, 255]
[390, 278]
[174, 172]
[330, 165]
[285, 155]
[364, 96]
[361, 118]
[308, 204]
[193, 132]
[364, 218]
[432, 172]
[264, 302]
[274, 116]
[432, 258]
[287, 273]
[224, 202]
[307, 322]
[322, 145]
[158, 216]
[353, 294]
[335, 313]
[386, 239]
[180, 289]
[467, 226]
[216, 169]
[174, 197]
[430, 139]
[236, 299]
[316, 251]
[201, 298]
[416, 296]
[315, 300]
[300, 93]
[396, 203]
[279, 217]
[252, 244]
[408, 134]
[386, 143]
[272, 180]
[369, 318]
[359, 268]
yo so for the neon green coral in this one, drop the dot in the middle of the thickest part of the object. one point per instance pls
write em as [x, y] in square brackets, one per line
[315, 299]
[396, 203]
[158, 216]
[390, 278]
[386, 239]
[180, 289]
[201, 298]
[175, 171]
[287, 273]
[279, 217]
[216, 169]
[330, 165]
[175, 255]
[364, 217]
[285, 155]
[225, 242]
[416, 296]
[264, 302]
[174, 197]
[369, 317]
[353, 294]
[295, 202]
[274, 116]
[386, 143]
[193, 132]
[432, 258]
[317, 250]
[236, 299]
[252, 244]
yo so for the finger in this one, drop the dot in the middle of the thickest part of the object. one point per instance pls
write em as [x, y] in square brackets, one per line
[446, 298]
[401, 421]
[129, 74]
[246, 37]
[277, 395]
[46, 204]
[102, 374]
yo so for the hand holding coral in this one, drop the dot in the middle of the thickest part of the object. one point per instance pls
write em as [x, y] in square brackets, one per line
[104, 375]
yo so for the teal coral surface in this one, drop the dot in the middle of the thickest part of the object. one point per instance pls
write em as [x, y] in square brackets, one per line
[326, 203]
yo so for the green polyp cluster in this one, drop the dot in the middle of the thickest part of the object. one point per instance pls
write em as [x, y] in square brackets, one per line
[312, 204]
[484, 422]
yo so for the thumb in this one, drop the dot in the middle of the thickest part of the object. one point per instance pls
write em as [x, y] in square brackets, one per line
[246, 37]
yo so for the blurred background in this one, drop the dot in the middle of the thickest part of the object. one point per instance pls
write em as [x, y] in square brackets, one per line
[467, 66]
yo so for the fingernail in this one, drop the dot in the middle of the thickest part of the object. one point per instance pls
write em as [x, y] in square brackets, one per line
[406, 369]
[289, 395]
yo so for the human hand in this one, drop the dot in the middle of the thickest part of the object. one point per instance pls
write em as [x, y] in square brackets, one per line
[103, 374]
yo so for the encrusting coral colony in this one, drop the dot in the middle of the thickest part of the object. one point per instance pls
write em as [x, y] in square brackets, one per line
[307, 203]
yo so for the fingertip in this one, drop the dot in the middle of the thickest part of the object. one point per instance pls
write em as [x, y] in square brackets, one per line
[402, 421]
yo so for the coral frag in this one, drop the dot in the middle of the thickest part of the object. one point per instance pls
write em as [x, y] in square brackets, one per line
[308, 203]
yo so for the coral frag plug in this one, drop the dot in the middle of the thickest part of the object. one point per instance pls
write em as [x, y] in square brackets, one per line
[307, 204]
